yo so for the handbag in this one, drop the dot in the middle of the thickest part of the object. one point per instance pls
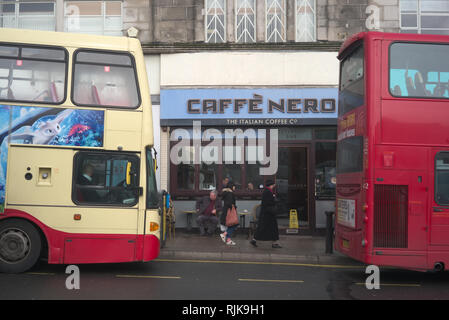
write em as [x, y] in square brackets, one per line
[231, 217]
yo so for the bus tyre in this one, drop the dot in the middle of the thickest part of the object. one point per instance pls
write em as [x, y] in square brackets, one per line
[20, 246]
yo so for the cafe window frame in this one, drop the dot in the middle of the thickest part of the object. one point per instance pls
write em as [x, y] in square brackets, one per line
[241, 192]
[319, 134]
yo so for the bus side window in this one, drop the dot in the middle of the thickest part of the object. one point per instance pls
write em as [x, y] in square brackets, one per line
[101, 178]
[111, 77]
[442, 178]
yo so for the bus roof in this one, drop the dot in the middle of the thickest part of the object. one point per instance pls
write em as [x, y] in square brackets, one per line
[390, 36]
[66, 39]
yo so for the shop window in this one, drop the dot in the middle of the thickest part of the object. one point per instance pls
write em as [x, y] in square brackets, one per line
[305, 20]
[106, 179]
[28, 15]
[234, 158]
[94, 17]
[234, 173]
[208, 176]
[326, 133]
[185, 176]
[215, 21]
[254, 181]
[325, 172]
[294, 134]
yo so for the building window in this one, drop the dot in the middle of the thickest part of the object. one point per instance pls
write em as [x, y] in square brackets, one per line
[305, 20]
[427, 17]
[245, 20]
[94, 17]
[275, 21]
[215, 21]
[28, 15]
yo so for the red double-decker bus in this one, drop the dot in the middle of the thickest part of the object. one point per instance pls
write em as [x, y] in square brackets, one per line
[392, 206]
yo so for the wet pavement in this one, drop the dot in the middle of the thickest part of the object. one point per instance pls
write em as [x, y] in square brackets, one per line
[295, 249]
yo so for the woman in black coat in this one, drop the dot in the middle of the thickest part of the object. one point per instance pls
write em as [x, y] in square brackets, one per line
[228, 201]
[267, 226]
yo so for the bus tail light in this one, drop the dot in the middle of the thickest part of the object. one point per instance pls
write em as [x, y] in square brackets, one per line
[154, 226]
[364, 242]
[365, 207]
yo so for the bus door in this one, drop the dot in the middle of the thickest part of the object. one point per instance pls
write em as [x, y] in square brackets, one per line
[439, 209]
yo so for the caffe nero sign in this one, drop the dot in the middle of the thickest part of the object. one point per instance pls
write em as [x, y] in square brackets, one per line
[247, 107]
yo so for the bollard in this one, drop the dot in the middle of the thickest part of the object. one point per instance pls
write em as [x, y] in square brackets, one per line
[329, 231]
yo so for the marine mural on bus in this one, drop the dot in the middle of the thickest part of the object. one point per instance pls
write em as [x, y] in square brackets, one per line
[46, 126]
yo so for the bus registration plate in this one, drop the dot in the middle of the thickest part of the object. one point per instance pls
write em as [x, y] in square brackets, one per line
[346, 212]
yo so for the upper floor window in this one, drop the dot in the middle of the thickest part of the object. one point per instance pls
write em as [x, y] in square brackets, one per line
[94, 17]
[105, 79]
[424, 16]
[215, 21]
[305, 20]
[245, 20]
[28, 15]
[275, 18]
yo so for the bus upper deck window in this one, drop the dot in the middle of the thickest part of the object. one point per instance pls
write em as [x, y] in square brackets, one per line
[105, 79]
[419, 70]
[32, 74]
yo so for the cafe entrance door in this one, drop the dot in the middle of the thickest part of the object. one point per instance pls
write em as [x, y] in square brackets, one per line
[292, 185]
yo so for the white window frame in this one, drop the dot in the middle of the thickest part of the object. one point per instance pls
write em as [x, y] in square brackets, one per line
[245, 36]
[103, 15]
[281, 16]
[302, 34]
[214, 36]
[17, 14]
[418, 13]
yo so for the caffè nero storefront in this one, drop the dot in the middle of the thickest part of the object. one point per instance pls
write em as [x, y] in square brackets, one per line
[248, 136]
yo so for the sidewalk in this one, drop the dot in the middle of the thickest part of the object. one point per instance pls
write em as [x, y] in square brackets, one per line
[295, 249]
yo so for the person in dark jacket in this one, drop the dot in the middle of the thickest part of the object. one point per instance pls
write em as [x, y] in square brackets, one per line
[267, 226]
[208, 208]
[228, 201]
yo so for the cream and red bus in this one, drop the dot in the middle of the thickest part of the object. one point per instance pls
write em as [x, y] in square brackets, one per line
[77, 168]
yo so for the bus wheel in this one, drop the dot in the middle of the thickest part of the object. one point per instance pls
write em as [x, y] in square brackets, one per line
[20, 246]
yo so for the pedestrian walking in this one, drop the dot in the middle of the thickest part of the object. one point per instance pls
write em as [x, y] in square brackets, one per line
[267, 226]
[228, 197]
